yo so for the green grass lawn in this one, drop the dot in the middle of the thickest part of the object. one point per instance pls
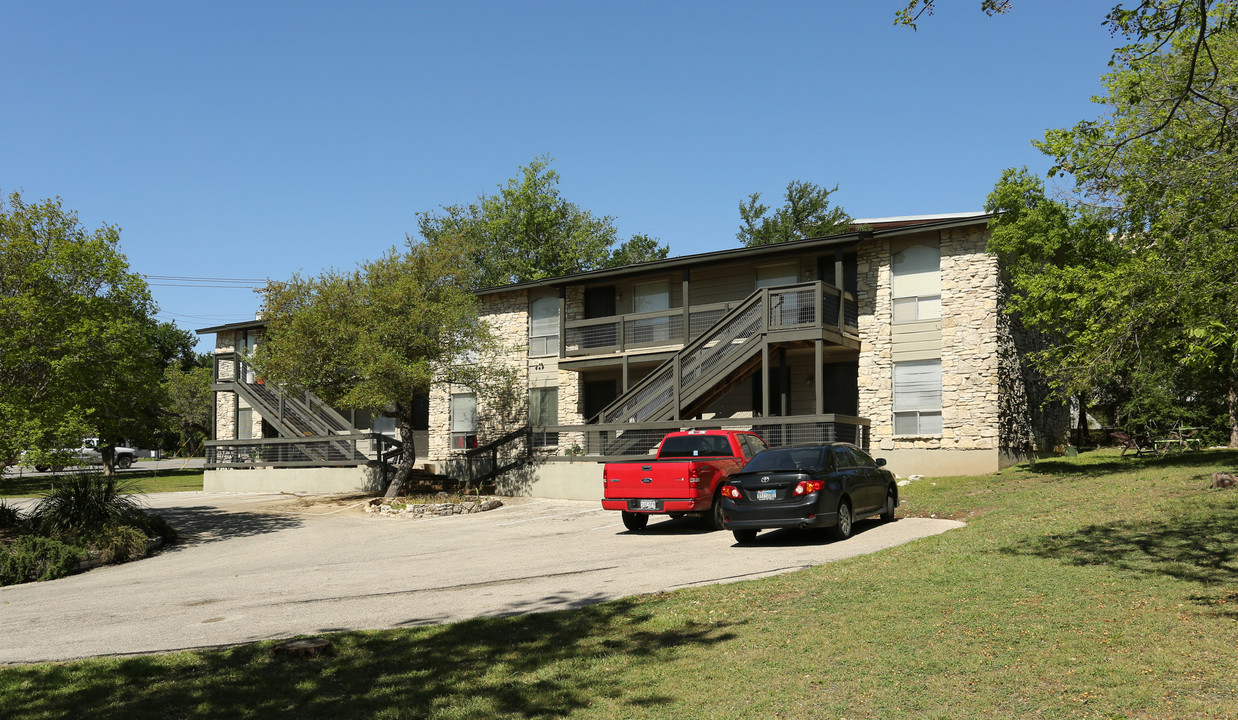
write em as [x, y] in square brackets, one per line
[144, 481]
[1094, 587]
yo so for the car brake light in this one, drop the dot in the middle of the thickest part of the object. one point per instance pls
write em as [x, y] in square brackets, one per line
[694, 475]
[808, 486]
[732, 492]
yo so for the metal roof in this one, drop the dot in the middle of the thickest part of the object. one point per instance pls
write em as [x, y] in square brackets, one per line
[905, 225]
[882, 227]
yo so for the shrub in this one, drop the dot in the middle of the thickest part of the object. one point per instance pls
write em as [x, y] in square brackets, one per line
[37, 558]
[153, 526]
[10, 517]
[84, 503]
[119, 543]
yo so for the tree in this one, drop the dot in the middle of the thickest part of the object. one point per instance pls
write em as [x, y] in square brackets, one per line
[805, 214]
[381, 335]
[75, 329]
[1155, 28]
[527, 231]
[187, 405]
[1143, 291]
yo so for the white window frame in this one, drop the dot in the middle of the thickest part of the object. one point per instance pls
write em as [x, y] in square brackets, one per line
[547, 417]
[543, 329]
[922, 300]
[917, 398]
[462, 409]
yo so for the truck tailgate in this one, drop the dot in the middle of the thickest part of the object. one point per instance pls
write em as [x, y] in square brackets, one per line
[659, 479]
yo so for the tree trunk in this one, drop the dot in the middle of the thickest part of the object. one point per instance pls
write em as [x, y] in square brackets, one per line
[408, 454]
[108, 454]
[1233, 414]
[1081, 429]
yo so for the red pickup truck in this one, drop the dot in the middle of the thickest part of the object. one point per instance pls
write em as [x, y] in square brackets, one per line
[685, 478]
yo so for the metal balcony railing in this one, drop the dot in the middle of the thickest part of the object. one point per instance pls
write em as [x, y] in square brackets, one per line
[332, 451]
[727, 342]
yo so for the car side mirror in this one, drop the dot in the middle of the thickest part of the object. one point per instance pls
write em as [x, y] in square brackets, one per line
[881, 462]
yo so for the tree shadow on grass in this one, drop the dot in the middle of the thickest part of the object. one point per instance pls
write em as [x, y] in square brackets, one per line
[1201, 548]
[205, 524]
[1130, 463]
[547, 665]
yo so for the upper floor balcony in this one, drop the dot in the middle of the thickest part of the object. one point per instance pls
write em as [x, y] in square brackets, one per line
[811, 306]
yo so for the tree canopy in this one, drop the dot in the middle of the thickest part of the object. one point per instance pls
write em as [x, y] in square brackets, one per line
[1131, 269]
[77, 356]
[528, 231]
[806, 213]
[380, 335]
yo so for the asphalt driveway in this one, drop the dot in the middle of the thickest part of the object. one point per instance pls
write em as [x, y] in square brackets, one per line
[254, 567]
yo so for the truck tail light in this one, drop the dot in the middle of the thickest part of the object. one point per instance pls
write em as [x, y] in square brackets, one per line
[808, 486]
[732, 492]
[694, 475]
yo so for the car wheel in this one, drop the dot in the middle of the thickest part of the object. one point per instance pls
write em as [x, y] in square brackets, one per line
[887, 514]
[842, 529]
[124, 462]
[635, 521]
[41, 468]
[743, 537]
[715, 513]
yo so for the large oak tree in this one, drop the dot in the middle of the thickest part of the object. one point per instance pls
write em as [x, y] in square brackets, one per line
[78, 353]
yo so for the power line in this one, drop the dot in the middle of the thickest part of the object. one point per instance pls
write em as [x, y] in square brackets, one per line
[190, 281]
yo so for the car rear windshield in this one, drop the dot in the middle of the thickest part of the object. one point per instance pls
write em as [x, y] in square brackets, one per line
[696, 446]
[787, 460]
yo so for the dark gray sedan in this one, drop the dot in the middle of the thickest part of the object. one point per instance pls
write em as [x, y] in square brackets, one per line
[828, 485]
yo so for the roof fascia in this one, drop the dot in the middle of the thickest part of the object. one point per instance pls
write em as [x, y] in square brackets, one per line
[717, 256]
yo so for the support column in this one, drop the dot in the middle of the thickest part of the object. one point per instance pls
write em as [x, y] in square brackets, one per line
[784, 383]
[687, 314]
[562, 322]
[819, 376]
[841, 284]
[765, 379]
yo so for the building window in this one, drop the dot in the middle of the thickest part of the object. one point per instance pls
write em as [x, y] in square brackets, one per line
[917, 398]
[916, 282]
[244, 423]
[544, 413]
[463, 421]
[544, 327]
[650, 297]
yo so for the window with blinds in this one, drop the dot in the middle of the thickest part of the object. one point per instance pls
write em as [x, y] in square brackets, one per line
[917, 398]
[544, 413]
[544, 327]
[916, 284]
[463, 421]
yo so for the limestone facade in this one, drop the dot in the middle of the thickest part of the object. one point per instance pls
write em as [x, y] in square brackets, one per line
[504, 406]
[988, 400]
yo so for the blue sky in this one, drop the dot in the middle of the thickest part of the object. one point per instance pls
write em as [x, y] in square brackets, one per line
[253, 140]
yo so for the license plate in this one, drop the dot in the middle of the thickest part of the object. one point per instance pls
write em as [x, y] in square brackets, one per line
[767, 494]
[648, 504]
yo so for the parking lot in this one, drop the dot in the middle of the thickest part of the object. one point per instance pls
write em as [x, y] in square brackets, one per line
[255, 566]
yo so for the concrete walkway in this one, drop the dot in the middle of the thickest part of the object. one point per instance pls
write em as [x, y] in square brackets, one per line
[255, 567]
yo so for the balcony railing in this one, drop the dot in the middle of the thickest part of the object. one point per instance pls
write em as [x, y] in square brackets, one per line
[332, 451]
[601, 442]
[667, 328]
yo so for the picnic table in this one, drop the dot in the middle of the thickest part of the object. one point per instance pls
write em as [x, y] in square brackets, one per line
[1177, 440]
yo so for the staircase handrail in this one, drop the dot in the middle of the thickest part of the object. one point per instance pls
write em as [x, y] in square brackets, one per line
[670, 370]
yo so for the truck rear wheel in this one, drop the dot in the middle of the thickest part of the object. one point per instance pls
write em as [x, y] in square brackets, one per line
[635, 521]
[714, 518]
[124, 462]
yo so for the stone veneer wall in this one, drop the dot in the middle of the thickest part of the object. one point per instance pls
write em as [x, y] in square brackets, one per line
[508, 314]
[1031, 421]
[225, 402]
[969, 357]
